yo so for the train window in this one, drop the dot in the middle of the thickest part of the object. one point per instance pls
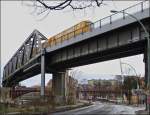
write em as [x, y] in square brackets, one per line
[83, 24]
[70, 32]
[78, 26]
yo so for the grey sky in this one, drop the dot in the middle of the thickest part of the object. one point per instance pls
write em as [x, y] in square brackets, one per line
[18, 23]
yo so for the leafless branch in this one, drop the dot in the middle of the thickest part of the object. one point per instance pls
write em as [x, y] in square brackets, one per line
[44, 7]
[70, 3]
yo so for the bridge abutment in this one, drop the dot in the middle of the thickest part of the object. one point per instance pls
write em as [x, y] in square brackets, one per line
[59, 86]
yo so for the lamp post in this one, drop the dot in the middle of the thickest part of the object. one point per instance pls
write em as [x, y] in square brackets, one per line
[123, 76]
[122, 79]
[148, 43]
[134, 72]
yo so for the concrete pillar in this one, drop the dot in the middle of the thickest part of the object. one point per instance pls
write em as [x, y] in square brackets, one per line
[59, 87]
[43, 73]
[147, 75]
[145, 61]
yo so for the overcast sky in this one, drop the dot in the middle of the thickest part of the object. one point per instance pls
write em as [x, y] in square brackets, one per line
[18, 22]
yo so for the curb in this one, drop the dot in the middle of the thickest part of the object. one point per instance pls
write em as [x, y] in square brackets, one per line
[141, 112]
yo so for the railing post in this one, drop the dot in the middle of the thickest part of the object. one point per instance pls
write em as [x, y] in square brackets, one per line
[142, 6]
[123, 14]
[100, 23]
[110, 19]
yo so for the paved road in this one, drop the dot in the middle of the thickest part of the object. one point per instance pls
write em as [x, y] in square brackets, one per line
[101, 109]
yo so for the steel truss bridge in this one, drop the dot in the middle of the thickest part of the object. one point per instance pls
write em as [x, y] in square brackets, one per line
[112, 37]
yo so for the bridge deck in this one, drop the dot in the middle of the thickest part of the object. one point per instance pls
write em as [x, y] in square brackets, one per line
[98, 28]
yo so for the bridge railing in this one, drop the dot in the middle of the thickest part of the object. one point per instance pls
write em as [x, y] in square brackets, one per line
[106, 20]
[132, 9]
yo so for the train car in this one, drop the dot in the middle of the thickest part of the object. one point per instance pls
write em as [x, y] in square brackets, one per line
[82, 27]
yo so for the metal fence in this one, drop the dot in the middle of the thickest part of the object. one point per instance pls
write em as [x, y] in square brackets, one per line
[132, 9]
[110, 19]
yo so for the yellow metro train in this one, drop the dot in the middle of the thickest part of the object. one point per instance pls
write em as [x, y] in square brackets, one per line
[82, 27]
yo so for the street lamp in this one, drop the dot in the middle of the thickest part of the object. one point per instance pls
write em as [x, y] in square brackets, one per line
[122, 79]
[134, 72]
[145, 30]
[148, 41]
[122, 76]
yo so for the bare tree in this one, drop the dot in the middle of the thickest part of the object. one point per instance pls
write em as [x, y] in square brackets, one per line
[76, 74]
[44, 7]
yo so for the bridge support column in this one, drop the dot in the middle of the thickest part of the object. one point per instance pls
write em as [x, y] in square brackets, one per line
[43, 73]
[59, 87]
[147, 75]
[148, 72]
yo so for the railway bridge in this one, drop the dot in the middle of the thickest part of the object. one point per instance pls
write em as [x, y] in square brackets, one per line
[116, 36]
